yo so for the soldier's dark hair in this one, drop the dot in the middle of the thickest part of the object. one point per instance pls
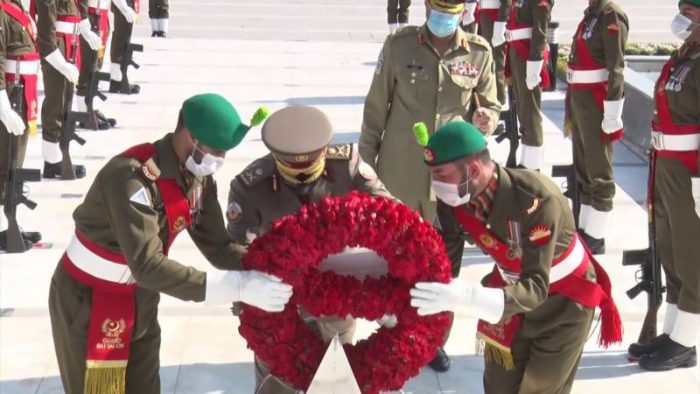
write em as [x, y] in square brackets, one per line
[180, 122]
[483, 156]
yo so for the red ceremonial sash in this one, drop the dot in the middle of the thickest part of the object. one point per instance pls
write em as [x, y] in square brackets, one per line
[522, 47]
[573, 286]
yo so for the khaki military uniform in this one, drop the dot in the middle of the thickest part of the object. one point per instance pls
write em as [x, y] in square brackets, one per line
[123, 213]
[605, 36]
[14, 41]
[499, 53]
[534, 13]
[158, 9]
[55, 84]
[413, 83]
[259, 196]
[548, 345]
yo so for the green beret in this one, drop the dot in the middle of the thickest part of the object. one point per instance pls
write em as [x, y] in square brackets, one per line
[694, 3]
[214, 122]
[451, 142]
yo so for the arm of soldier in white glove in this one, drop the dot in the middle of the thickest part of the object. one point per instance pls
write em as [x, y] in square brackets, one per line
[532, 73]
[468, 14]
[128, 12]
[85, 31]
[57, 61]
[499, 34]
[471, 301]
[612, 116]
[388, 321]
[11, 119]
[255, 288]
[695, 184]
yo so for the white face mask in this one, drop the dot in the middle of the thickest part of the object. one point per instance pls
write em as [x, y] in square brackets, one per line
[449, 193]
[682, 27]
[209, 165]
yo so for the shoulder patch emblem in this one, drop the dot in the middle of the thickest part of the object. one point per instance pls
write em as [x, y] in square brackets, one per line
[535, 205]
[234, 213]
[613, 28]
[147, 173]
[540, 234]
[366, 171]
[141, 197]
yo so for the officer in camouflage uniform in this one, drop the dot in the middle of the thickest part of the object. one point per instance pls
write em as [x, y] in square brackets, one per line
[301, 169]
[676, 197]
[430, 72]
[536, 306]
[158, 12]
[124, 17]
[17, 44]
[594, 112]
[104, 294]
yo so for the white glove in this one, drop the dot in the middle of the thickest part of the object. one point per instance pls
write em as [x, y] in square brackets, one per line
[85, 30]
[128, 12]
[499, 34]
[11, 119]
[612, 116]
[532, 75]
[388, 321]
[468, 13]
[57, 61]
[695, 183]
[473, 301]
[256, 288]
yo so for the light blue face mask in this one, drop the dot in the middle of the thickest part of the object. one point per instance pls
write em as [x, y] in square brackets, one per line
[442, 24]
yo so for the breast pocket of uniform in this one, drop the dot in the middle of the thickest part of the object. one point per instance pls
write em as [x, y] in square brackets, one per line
[463, 85]
[413, 79]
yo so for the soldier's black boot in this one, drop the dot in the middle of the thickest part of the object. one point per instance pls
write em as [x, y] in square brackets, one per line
[101, 119]
[116, 87]
[53, 171]
[637, 350]
[595, 245]
[441, 362]
[671, 356]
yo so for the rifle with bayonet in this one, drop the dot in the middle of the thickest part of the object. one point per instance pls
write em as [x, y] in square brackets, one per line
[14, 189]
[511, 120]
[93, 90]
[126, 61]
[70, 118]
[650, 265]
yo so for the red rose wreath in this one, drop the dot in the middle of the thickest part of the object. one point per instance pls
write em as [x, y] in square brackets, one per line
[294, 247]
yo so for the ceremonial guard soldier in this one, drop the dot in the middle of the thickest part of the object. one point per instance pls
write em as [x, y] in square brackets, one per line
[302, 168]
[493, 17]
[397, 14]
[594, 113]
[158, 12]
[104, 294]
[536, 306]
[125, 14]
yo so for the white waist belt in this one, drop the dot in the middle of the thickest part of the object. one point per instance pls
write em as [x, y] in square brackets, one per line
[489, 4]
[561, 270]
[103, 4]
[675, 142]
[519, 34]
[586, 76]
[26, 67]
[65, 27]
[97, 266]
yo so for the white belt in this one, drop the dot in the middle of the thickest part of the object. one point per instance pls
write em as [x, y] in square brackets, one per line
[65, 27]
[97, 266]
[586, 76]
[489, 4]
[675, 142]
[563, 269]
[103, 4]
[519, 34]
[26, 67]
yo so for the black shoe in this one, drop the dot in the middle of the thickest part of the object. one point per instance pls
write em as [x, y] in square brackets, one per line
[31, 236]
[162, 34]
[441, 362]
[595, 245]
[101, 117]
[671, 356]
[637, 350]
[3, 241]
[154, 34]
[116, 87]
[53, 171]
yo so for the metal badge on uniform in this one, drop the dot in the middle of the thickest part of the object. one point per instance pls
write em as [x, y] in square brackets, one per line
[234, 213]
[515, 239]
[540, 234]
[194, 199]
[180, 224]
[588, 32]
[464, 68]
[487, 241]
[678, 77]
[366, 171]
[147, 173]
[141, 197]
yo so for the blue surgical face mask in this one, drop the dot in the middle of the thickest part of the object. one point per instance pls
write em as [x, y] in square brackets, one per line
[442, 24]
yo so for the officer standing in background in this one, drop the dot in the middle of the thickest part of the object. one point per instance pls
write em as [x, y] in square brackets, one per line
[301, 169]
[676, 197]
[158, 12]
[124, 17]
[527, 40]
[17, 44]
[594, 113]
[104, 294]
[493, 17]
[432, 71]
[397, 14]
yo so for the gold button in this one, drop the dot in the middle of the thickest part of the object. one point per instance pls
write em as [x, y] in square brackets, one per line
[413, 81]
[437, 116]
[440, 89]
[488, 225]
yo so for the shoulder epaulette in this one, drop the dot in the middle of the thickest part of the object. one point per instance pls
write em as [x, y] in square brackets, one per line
[339, 152]
[258, 171]
[478, 40]
[150, 170]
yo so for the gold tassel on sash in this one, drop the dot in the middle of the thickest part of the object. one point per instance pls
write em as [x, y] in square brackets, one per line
[105, 377]
[494, 352]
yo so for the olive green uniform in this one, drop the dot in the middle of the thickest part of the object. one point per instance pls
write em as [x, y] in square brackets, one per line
[499, 53]
[121, 35]
[158, 9]
[605, 35]
[258, 197]
[677, 224]
[14, 41]
[90, 60]
[537, 14]
[109, 218]
[397, 11]
[547, 348]
[413, 83]
[55, 84]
